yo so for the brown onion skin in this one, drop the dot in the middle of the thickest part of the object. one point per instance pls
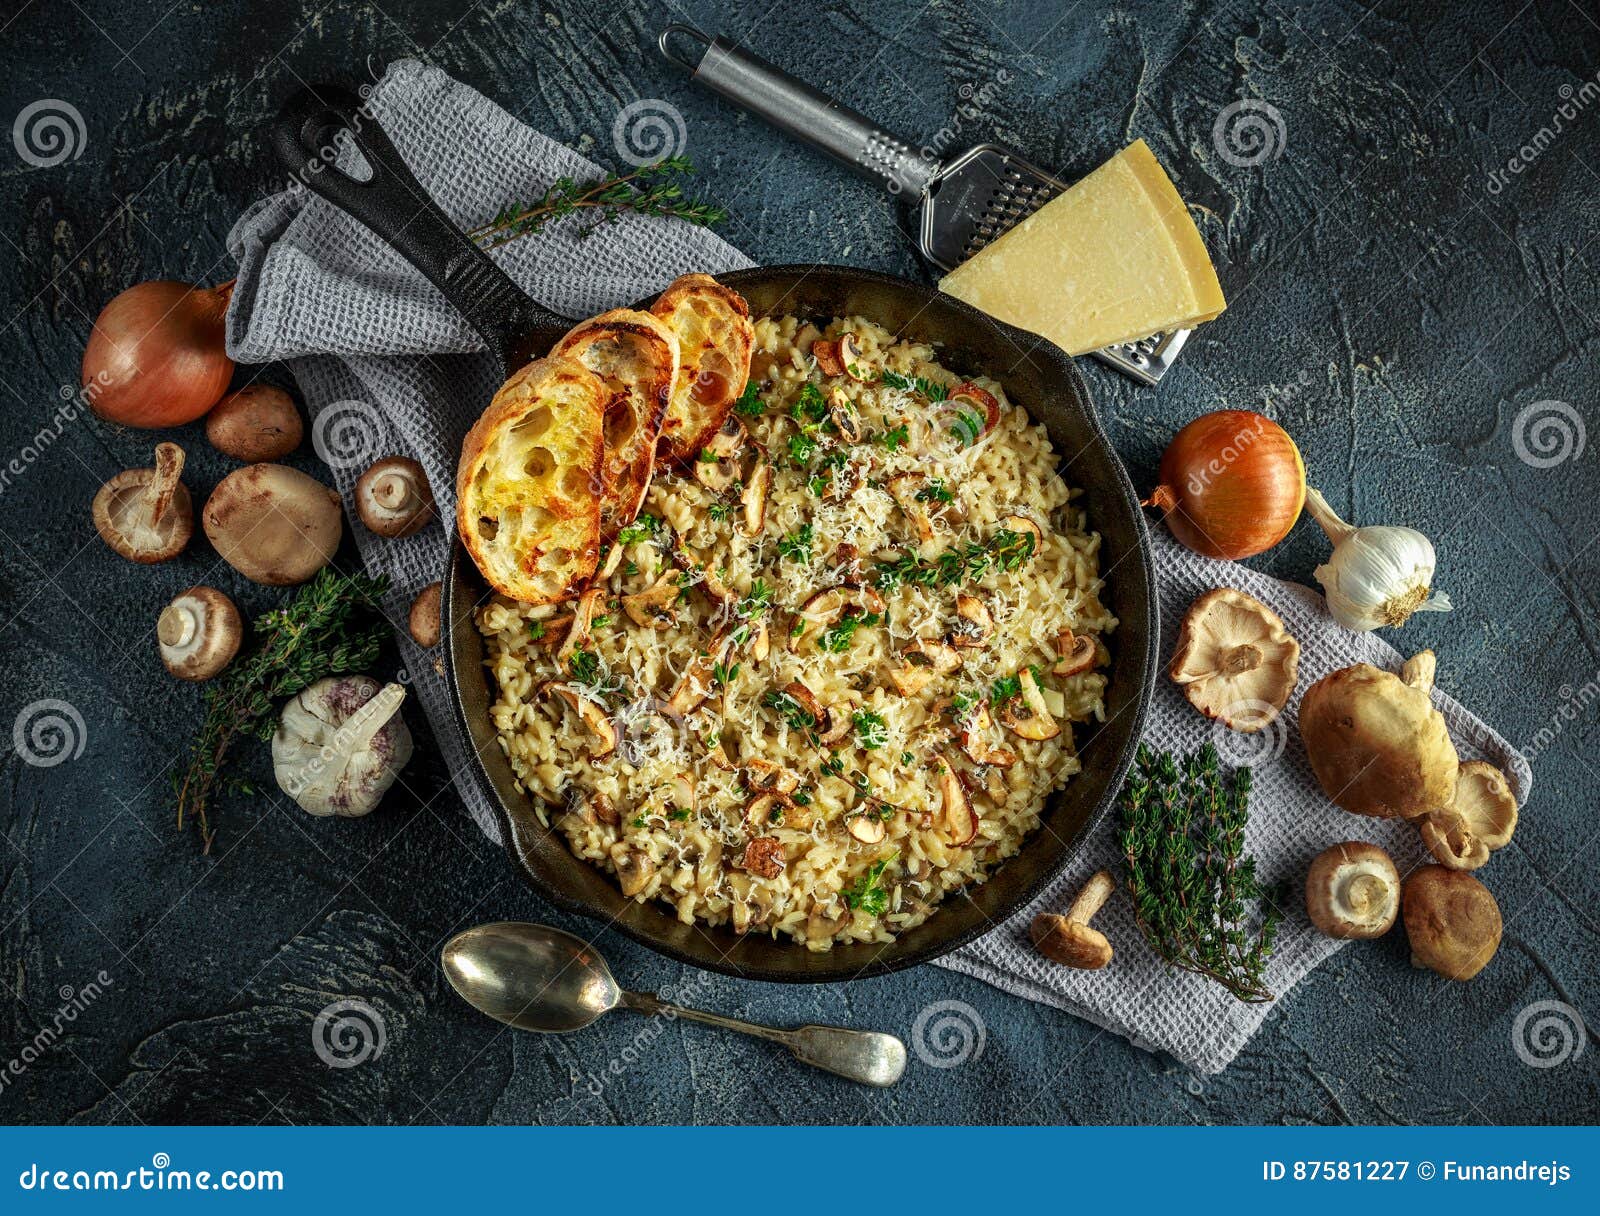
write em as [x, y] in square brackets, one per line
[157, 354]
[1232, 484]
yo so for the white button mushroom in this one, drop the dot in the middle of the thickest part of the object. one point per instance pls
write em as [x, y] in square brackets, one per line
[340, 745]
[273, 524]
[393, 497]
[199, 633]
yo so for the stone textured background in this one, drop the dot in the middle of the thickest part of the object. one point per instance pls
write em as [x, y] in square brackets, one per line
[1393, 306]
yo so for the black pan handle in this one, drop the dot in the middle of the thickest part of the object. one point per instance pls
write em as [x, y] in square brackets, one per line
[314, 126]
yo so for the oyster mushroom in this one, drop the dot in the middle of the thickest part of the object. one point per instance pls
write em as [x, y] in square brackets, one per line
[593, 716]
[340, 744]
[1068, 939]
[717, 466]
[1353, 891]
[146, 514]
[1452, 922]
[1074, 654]
[1376, 744]
[1025, 713]
[199, 633]
[259, 422]
[273, 524]
[393, 498]
[960, 821]
[634, 869]
[694, 687]
[1234, 660]
[977, 624]
[842, 412]
[1479, 821]
[656, 606]
[925, 661]
[423, 622]
[973, 732]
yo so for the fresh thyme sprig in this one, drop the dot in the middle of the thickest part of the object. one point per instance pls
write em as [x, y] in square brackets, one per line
[316, 634]
[1182, 837]
[648, 190]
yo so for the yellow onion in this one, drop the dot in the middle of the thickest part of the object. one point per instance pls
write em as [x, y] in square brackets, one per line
[157, 355]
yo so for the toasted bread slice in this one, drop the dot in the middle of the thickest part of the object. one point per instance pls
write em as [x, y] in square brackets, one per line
[714, 340]
[636, 354]
[528, 485]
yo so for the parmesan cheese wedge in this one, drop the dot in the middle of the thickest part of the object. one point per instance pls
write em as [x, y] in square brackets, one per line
[1114, 259]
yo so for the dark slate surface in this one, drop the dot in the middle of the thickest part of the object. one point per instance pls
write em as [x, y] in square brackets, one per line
[1392, 304]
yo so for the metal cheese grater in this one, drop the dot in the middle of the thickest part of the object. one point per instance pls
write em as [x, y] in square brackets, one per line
[961, 203]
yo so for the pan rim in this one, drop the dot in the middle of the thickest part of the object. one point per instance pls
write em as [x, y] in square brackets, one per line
[1117, 768]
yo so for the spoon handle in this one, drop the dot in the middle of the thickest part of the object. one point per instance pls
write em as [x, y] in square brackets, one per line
[860, 1055]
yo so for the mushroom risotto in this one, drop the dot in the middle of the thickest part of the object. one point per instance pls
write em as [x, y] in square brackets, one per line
[831, 672]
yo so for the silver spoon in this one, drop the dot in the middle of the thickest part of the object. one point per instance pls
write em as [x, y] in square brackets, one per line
[537, 978]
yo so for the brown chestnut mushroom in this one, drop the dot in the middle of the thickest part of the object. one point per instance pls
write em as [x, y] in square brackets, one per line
[634, 869]
[1375, 742]
[841, 356]
[423, 623]
[842, 412]
[1479, 821]
[259, 422]
[1353, 891]
[198, 633]
[1074, 654]
[977, 623]
[753, 498]
[393, 498]
[867, 827]
[273, 524]
[968, 396]
[717, 465]
[1452, 922]
[1025, 713]
[583, 615]
[960, 819]
[925, 661]
[656, 606]
[146, 514]
[972, 730]
[1234, 660]
[1068, 939]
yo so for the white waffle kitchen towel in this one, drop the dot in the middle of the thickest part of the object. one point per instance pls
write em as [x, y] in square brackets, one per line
[386, 366]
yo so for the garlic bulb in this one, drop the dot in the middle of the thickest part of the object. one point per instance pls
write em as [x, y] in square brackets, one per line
[340, 745]
[1377, 576]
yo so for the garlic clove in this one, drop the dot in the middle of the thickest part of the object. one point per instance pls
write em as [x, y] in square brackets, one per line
[1376, 576]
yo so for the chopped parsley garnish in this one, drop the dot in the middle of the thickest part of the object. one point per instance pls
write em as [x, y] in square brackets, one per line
[930, 389]
[935, 491]
[600, 622]
[906, 758]
[867, 894]
[1004, 689]
[707, 456]
[809, 405]
[749, 404]
[536, 630]
[818, 485]
[836, 638]
[801, 449]
[795, 714]
[718, 510]
[640, 529]
[678, 814]
[585, 666]
[638, 821]
[871, 731]
[797, 545]
[631, 568]
[893, 438]
[1005, 550]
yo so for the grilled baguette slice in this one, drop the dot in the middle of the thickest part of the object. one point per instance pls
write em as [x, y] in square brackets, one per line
[528, 485]
[714, 341]
[636, 354]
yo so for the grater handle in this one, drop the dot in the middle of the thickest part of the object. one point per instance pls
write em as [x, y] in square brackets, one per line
[797, 109]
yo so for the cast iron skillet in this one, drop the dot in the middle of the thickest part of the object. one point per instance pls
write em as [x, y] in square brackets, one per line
[314, 124]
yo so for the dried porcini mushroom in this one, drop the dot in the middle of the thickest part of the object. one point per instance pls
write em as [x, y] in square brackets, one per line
[602, 730]
[259, 422]
[1479, 821]
[763, 774]
[583, 616]
[1234, 660]
[199, 633]
[424, 622]
[340, 745]
[925, 661]
[826, 607]
[846, 420]
[1353, 891]
[145, 514]
[1452, 922]
[829, 727]
[273, 524]
[1074, 654]
[656, 606]
[1068, 939]
[393, 498]
[1025, 712]
[1376, 743]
